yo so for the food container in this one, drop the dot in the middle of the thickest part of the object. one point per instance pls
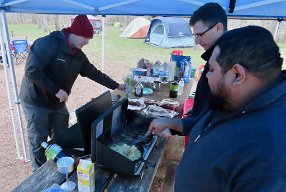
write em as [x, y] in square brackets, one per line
[85, 175]
[65, 165]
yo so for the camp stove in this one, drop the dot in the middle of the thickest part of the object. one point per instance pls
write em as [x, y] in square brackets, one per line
[121, 126]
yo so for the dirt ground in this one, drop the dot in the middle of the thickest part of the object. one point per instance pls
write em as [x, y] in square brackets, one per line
[13, 170]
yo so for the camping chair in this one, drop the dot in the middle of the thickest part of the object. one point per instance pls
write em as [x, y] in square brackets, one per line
[20, 52]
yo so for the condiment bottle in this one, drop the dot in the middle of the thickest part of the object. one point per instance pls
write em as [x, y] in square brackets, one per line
[53, 151]
[139, 88]
[173, 90]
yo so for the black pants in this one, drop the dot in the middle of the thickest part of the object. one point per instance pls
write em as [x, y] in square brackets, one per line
[43, 122]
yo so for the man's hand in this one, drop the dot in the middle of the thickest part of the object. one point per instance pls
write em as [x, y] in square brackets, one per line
[161, 127]
[121, 87]
[165, 134]
[62, 95]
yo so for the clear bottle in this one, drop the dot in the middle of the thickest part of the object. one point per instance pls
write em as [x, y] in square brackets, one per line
[53, 151]
[139, 88]
[181, 86]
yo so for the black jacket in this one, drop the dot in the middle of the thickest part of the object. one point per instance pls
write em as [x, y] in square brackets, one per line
[52, 66]
[202, 91]
[238, 151]
[201, 97]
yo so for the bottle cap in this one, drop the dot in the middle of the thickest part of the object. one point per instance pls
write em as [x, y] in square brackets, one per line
[44, 145]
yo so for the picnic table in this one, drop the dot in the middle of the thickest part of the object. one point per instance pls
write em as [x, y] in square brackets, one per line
[47, 175]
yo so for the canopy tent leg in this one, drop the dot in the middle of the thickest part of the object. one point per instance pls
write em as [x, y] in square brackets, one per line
[276, 29]
[5, 65]
[102, 48]
[14, 84]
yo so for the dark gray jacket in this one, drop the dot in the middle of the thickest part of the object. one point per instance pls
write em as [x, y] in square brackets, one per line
[52, 66]
[239, 151]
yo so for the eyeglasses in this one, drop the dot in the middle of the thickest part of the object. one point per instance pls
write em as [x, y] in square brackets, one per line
[202, 33]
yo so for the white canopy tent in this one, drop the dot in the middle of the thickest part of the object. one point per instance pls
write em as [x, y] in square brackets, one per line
[269, 9]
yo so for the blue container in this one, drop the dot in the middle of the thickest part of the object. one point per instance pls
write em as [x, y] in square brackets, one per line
[138, 71]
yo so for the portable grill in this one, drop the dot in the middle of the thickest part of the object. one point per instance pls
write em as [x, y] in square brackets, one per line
[118, 126]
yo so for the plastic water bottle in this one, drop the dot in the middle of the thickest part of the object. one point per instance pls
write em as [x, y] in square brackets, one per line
[164, 73]
[187, 70]
[181, 86]
[53, 151]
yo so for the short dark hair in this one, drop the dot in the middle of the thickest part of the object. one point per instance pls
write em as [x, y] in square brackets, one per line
[253, 47]
[209, 14]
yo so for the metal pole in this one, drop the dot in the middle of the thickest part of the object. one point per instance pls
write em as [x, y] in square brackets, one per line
[14, 82]
[276, 30]
[5, 64]
[102, 48]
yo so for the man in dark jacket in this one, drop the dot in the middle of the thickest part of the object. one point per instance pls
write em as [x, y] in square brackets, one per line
[54, 63]
[239, 143]
[208, 23]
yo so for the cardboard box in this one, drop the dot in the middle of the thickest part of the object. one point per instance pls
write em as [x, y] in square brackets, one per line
[85, 176]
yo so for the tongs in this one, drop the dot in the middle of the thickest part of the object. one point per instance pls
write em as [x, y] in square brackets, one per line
[140, 139]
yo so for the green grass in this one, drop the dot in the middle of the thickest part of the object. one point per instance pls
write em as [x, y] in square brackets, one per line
[131, 50]
[120, 50]
[123, 51]
[31, 32]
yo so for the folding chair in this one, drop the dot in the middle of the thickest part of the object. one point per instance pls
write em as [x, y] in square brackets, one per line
[20, 52]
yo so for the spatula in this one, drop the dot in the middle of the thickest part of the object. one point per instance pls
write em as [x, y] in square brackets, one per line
[140, 139]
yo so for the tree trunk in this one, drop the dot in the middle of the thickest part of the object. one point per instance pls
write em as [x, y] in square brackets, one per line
[57, 22]
[43, 23]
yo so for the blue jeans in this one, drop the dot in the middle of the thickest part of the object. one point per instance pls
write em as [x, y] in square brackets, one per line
[41, 123]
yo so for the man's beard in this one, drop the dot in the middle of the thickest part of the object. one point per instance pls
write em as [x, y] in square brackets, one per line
[218, 100]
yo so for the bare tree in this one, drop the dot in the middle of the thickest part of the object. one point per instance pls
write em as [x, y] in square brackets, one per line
[43, 23]
[57, 22]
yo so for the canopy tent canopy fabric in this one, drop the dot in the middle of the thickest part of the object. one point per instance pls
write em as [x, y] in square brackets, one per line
[170, 32]
[137, 28]
[242, 8]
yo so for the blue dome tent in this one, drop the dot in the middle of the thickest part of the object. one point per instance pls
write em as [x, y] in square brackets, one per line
[170, 32]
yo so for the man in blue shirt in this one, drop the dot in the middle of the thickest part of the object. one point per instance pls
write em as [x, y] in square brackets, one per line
[238, 144]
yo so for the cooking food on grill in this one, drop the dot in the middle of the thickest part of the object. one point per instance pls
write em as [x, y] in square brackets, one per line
[129, 151]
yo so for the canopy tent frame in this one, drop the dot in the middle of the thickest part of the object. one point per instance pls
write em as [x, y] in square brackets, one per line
[6, 51]
[117, 7]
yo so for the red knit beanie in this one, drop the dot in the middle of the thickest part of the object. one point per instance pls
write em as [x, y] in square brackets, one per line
[81, 26]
